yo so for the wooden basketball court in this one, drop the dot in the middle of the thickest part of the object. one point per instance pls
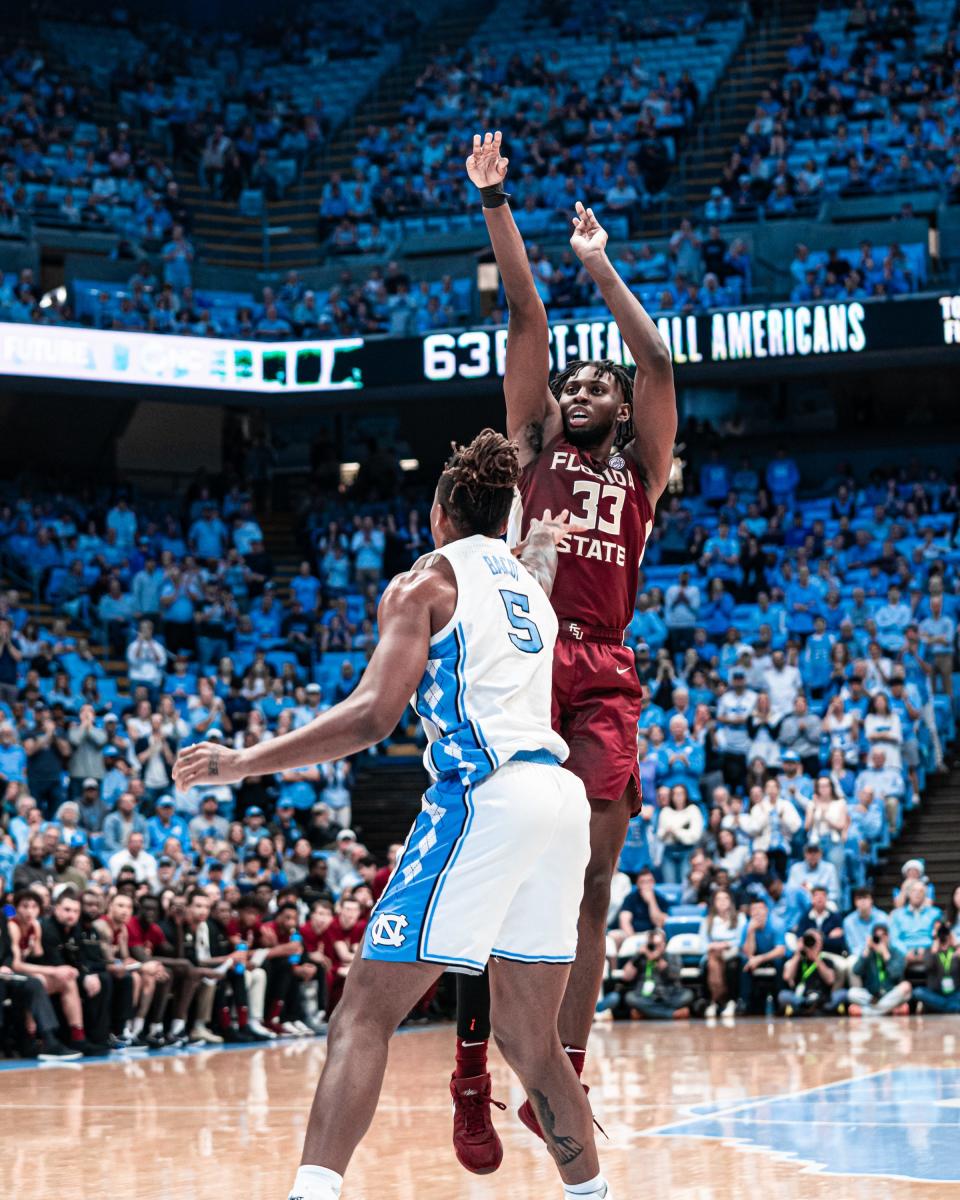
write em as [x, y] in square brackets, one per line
[819, 1108]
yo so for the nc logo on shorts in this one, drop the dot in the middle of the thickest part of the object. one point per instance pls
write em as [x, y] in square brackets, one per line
[386, 928]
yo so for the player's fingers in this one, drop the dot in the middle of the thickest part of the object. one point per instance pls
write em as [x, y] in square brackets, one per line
[487, 140]
[477, 144]
[497, 140]
[502, 165]
[580, 209]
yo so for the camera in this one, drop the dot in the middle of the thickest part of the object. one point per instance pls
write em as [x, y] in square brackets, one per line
[810, 941]
[943, 934]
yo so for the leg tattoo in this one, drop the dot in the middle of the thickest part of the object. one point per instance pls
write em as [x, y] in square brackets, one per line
[564, 1149]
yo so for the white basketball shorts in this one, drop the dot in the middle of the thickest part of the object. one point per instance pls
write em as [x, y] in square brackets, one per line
[493, 869]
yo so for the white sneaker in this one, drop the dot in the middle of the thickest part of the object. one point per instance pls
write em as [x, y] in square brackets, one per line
[730, 1009]
[305, 1030]
[260, 1030]
[202, 1033]
[290, 1029]
[711, 1012]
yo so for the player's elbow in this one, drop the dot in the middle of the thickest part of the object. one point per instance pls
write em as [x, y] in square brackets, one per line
[526, 311]
[375, 721]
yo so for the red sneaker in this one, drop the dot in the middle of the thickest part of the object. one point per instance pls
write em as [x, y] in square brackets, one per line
[475, 1141]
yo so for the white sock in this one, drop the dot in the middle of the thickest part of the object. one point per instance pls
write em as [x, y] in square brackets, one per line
[177, 1026]
[316, 1183]
[156, 1029]
[593, 1187]
[136, 1026]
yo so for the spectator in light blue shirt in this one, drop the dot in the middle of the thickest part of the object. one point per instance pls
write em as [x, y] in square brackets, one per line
[681, 760]
[813, 872]
[714, 479]
[911, 927]
[368, 546]
[267, 618]
[892, 620]
[680, 609]
[145, 590]
[803, 598]
[647, 625]
[815, 664]
[208, 535]
[938, 635]
[166, 824]
[782, 478]
[306, 588]
[246, 531]
[721, 555]
[13, 757]
[123, 520]
[859, 925]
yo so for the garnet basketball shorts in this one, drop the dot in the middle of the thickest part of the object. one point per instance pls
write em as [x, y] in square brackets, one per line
[596, 707]
[491, 870]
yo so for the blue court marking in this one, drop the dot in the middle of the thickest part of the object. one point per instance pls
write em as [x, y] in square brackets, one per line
[902, 1123]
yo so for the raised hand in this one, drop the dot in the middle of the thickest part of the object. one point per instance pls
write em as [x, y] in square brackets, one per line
[485, 166]
[588, 237]
[556, 526]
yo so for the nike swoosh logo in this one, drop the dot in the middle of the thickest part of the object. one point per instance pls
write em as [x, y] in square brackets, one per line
[622, 670]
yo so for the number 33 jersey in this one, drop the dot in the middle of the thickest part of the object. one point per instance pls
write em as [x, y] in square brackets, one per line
[485, 695]
[599, 564]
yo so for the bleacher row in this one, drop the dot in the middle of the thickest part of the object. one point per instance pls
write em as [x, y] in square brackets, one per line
[855, 112]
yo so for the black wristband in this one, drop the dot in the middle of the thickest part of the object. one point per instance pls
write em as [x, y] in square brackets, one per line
[494, 196]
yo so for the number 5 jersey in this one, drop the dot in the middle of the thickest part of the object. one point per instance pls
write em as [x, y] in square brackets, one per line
[485, 696]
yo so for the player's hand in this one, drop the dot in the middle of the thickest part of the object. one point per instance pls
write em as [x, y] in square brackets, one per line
[485, 166]
[205, 763]
[589, 238]
[556, 528]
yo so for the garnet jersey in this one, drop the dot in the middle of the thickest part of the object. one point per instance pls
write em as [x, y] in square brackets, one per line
[599, 565]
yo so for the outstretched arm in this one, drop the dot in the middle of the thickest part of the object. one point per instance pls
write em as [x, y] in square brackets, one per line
[654, 397]
[409, 608]
[533, 415]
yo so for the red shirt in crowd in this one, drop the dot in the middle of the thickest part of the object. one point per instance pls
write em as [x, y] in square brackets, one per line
[152, 936]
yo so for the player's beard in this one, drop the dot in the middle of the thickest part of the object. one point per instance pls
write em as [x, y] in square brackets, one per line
[591, 437]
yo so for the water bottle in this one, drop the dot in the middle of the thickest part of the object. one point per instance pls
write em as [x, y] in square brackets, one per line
[295, 958]
[768, 1008]
[238, 967]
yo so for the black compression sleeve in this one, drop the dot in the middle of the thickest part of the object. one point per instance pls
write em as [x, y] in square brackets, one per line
[473, 1007]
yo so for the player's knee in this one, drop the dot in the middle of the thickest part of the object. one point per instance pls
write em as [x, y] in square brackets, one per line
[353, 1022]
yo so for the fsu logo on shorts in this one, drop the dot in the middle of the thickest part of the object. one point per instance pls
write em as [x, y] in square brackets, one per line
[616, 462]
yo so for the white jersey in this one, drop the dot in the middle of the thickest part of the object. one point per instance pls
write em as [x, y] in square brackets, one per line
[485, 696]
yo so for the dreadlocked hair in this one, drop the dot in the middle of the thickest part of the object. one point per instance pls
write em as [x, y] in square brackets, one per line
[477, 484]
[621, 377]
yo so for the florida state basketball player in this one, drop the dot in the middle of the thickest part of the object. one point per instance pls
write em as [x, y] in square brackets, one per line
[596, 443]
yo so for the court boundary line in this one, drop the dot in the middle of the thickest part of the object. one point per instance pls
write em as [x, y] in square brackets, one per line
[743, 1105]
